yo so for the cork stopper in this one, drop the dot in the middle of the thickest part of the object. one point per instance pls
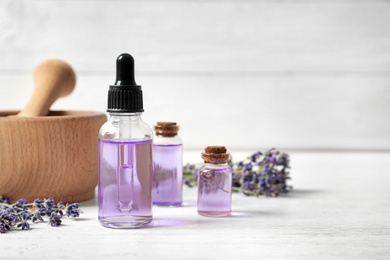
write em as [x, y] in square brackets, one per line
[166, 129]
[215, 155]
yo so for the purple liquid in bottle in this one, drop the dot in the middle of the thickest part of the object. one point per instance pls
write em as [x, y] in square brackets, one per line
[125, 180]
[167, 175]
[214, 190]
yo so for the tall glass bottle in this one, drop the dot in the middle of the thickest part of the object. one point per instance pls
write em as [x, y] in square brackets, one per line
[125, 155]
[167, 165]
[215, 183]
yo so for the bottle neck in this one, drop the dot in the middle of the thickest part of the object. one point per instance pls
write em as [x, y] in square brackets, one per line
[212, 165]
[125, 116]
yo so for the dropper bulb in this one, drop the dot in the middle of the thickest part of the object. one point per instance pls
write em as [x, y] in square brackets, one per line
[125, 70]
[125, 96]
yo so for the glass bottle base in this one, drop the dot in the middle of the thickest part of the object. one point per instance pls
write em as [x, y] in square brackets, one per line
[215, 213]
[125, 222]
[168, 204]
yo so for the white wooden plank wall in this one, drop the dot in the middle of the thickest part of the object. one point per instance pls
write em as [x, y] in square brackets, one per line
[245, 74]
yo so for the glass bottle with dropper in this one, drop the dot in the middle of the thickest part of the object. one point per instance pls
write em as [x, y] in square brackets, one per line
[125, 154]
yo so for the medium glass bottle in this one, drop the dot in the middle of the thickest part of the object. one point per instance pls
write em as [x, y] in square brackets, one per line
[167, 165]
[125, 155]
[215, 183]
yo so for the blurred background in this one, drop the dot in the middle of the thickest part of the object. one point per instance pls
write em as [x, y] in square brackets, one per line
[296, 75]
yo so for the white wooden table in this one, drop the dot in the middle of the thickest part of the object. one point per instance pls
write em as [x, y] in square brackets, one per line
[339, 209]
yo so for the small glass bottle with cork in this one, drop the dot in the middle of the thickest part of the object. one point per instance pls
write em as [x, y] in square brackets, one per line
[215, 183]
[167, 165]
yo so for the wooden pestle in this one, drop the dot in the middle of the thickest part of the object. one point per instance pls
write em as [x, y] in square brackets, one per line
[53, 79]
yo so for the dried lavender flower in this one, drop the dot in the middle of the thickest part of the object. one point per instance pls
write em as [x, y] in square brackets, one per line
[24, 216]
[55, 219]
[4, 200]
[20, 213]
[38, 217]
[49, 205]
[39, 203]
[266, 174]
[72, 210]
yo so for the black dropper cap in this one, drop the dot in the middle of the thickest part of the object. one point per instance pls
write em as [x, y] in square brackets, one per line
[125, 96]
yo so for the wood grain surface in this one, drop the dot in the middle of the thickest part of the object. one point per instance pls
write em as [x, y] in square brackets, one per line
[52, 156]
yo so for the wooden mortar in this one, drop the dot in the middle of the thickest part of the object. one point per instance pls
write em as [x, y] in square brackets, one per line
[52, 156]
[49, 156]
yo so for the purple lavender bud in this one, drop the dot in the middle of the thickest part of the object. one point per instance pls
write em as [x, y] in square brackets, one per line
[248, 167]
[21, 201]
[41, 212]
[4, 227]
[58, 209]
[256, 156]
[283, 160]
[262, 185]
[20, 205]
[23, 225]
[39, 203]
[49, 203]
[247, 185]
[11, 215]
[188, 183]
[248, 176]
[4, 200]
[37, 217]
[24, 216]
[55, 219]
[72, 210]
[272, 160]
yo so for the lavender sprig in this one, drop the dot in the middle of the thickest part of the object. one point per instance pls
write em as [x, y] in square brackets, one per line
[265, 173]
[21, 213]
